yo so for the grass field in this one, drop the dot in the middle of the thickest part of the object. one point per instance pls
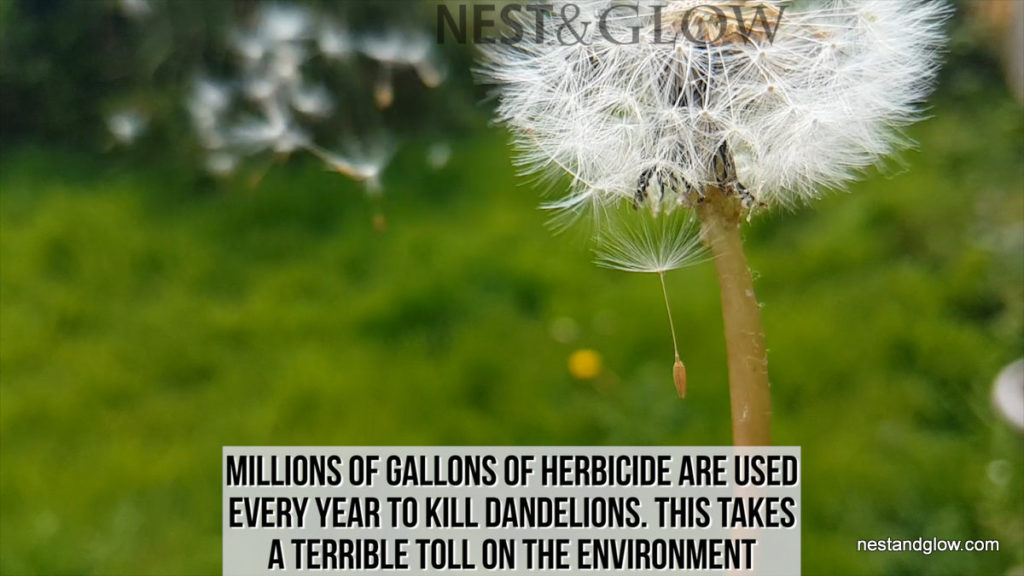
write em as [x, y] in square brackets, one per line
[150, 318]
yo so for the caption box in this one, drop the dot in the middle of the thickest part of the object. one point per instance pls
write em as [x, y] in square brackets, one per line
[511, 510]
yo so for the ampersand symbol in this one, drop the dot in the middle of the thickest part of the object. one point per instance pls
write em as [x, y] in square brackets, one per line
[566, 25]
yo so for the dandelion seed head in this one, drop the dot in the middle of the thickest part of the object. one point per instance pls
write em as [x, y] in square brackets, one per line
[775, 106]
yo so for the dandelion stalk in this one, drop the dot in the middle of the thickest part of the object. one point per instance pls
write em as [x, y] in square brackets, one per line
[744, 336]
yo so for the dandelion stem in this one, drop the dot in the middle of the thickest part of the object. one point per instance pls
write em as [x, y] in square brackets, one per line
[749, 392]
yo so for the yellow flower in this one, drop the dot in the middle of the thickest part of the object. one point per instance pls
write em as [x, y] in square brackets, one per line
[585, 364]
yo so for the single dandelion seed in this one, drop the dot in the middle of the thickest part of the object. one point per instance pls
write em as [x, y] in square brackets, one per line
[364, 162]
[396, 48]
[639, 244]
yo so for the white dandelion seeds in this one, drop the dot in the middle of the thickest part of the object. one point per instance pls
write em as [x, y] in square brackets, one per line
[396, 48]
[802, 102]
[365, 162]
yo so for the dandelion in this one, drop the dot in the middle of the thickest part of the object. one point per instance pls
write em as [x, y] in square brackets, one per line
[720, 108]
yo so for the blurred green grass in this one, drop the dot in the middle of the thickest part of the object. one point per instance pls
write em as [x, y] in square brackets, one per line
[149, 319]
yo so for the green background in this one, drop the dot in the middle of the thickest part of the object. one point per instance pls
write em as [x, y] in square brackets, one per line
[150, 317]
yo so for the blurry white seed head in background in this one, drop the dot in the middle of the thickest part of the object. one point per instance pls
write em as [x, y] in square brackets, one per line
[287, 58]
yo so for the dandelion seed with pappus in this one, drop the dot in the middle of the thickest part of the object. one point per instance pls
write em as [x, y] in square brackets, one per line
[719, 108]
[636, 243]
[401, 48]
